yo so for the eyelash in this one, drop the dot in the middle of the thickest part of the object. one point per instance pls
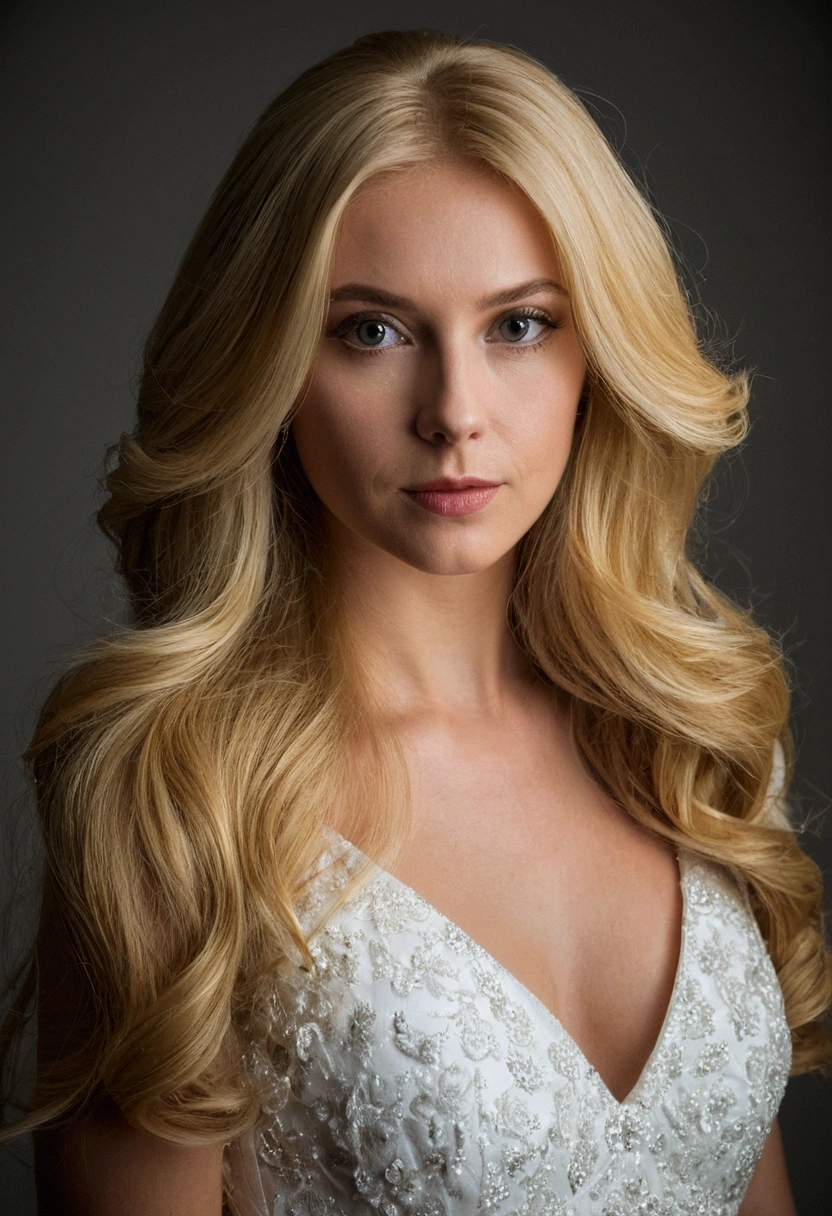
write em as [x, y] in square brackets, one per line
[535, 314]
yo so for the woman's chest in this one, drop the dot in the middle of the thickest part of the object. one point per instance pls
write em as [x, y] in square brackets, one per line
[574, 899]
[410, 1065]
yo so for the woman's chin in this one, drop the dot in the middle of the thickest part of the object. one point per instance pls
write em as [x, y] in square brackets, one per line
[452, 558]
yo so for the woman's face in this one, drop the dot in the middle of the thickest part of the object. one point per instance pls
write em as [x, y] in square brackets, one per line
[449, 354]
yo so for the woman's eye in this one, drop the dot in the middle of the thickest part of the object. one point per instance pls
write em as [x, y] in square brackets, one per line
[520, 325]
[371, 334]
[363, 335]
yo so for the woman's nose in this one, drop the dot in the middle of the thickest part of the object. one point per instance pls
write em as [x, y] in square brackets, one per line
[452, 396]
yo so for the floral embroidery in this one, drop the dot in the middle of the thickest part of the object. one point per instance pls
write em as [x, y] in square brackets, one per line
[411, 1075]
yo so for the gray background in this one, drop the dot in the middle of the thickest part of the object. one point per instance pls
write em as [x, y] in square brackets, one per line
[117, 122]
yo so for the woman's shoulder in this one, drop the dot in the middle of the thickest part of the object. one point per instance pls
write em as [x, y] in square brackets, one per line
[728, 965]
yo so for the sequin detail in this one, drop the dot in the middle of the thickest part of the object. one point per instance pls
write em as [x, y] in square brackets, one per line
[412, 1075]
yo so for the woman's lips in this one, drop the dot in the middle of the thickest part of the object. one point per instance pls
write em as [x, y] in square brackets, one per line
[454, 502]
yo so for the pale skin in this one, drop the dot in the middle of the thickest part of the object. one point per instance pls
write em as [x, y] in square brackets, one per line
[513, 840]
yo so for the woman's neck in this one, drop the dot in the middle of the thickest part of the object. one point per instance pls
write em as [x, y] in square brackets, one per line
[426, 641]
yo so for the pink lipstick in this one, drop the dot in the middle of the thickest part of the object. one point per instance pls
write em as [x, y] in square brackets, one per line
[454, 495]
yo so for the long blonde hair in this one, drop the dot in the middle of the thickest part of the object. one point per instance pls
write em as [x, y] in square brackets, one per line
[186, 765]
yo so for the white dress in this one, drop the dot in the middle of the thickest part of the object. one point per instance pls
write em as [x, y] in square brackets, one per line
[416, 1076]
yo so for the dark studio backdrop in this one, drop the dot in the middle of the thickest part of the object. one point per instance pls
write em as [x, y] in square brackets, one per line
[119, 119]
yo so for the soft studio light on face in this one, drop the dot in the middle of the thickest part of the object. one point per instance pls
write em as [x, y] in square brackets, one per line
[440, 411]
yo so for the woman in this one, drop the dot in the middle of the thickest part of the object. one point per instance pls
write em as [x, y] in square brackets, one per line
[421, 434]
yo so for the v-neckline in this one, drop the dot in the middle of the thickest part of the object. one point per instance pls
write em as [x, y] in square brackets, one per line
[619, 1104]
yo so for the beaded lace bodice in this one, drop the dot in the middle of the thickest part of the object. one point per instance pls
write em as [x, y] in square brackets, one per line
[413, 1075]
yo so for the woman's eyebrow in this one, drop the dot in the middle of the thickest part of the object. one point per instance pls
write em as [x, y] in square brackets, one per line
[386, 299]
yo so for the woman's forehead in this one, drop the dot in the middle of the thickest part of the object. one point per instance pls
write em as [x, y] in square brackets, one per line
[436, 224]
